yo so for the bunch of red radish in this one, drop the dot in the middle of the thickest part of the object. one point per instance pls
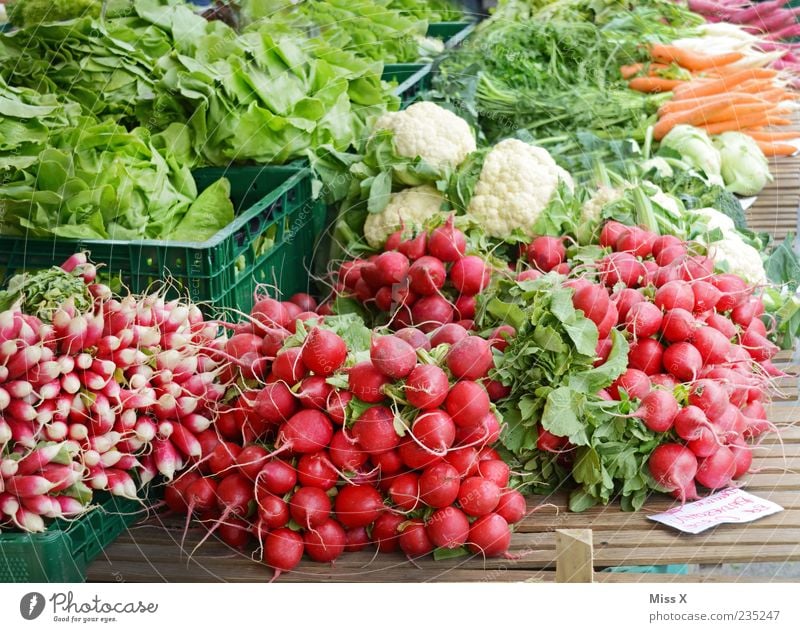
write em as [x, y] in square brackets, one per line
[425, 281]
[102, 400]
[699, 360]
[400, 458]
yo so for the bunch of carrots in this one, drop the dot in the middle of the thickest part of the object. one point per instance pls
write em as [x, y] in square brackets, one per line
[716, 96]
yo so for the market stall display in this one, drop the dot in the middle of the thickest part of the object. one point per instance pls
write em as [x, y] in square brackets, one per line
[538, 281]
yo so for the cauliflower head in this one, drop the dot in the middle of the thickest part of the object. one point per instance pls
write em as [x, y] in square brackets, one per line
[740, 258]
[716, 219]
[411, 207]
[593, 207]
[427, 130]
[516, 183]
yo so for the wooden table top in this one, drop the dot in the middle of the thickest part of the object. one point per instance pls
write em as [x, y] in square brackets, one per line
[151, 551]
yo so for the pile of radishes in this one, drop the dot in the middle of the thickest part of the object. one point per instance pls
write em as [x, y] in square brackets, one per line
[100, 400]
[329, 449]
[699, 360]
[425, 281]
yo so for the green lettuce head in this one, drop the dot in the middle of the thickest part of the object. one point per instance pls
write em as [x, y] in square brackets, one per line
[744, 167]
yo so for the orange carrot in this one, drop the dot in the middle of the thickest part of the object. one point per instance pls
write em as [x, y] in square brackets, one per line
[632, 70]
[775, 120]
[772, 136]
[736, 125]
[700, 88]
[776, 149]
[763, 73]
[695, 116]
[738, 111]
[691, 60]
[729, 98]
[653, 84]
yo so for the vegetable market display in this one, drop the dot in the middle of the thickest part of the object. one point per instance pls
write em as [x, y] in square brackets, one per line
[541, 277]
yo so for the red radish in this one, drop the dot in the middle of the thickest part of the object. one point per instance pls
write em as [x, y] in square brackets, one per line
[223, 458]
[717, 470]
[414, 248]
[273, 512]
[548, 442]
[470, 358]
[706, 296]
[371, 275]
[314, 392]
[415, 456]
[305, 302]
[470, 275]
[235, 532]
[486, 432]
[528, 275]
[374, 430]
[305, 432]
[435, 430]
[415, 337]
[743, 458]
[603, 350]
[496, 390]
[326, 309]
[283, 549]
[712, 344]
[404, 491]
[678, 325]
[449, 333]
[392, 267]
[490, 536]
[309, 507]
[465, 307]
[621, 267]
[413, 538]
[345, 454]
[316, 470]
[634, 382]
[251, 459]
[276, 477]
[643, 320]
[691, 423]
[665, 274]
[624, 300]
[546, 253]
[467, 403]
[356, 539]
[664, 241]
[431, 312]
[494, 470]
[448, 528]
[392, 356]
[426, 276]
[733, 288]
[363, 292]
[658, 410]
[465, 460]
[759, 348]
[708, 396]
[645, 355]
[512, 506]
[336, 406]
[637, 241]
[323, 351]
[366, 382]
[385, 532]
[289, 366]
[447, 243]
[275, 403]
[501, 336]
[439, 485]
[697, 268]
[478, 496]
[358, 505]
[326, 542]
[611, 233]
[388, 463]
[673, 467]
[683, 361]
[426, 386]
[593, 300]
[673, 295]
[270, 313]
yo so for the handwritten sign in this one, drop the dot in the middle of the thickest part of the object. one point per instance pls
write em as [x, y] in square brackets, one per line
[728, 506]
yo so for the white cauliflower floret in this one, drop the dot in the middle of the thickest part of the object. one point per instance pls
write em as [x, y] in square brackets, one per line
[716, 219]
[429, 131]
[593, 207]
[411, 207]
[516, 183]
[741, 258]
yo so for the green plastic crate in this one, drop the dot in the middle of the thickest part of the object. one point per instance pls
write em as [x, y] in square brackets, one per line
[64, 551]
[413, 85]
[669, 569]
[271, 241]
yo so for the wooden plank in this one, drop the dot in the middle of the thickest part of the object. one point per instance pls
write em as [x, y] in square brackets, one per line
[574, 556]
